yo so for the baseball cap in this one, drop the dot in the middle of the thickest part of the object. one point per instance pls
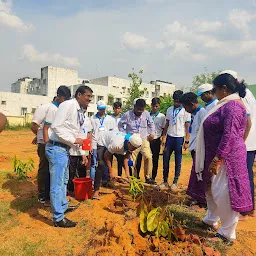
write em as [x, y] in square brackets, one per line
[230, 72]
[204, 88]
[101, 105]
[135, 140]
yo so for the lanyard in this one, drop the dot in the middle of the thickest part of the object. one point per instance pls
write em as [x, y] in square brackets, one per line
[210, 102]
[116, 119]
[192, 118]
[154, 115]
[101, 119]
[175, 113]
[80, 117]
[137, 124]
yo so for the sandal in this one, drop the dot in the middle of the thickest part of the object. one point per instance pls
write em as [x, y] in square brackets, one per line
[224, 239]
[210, 227]
[96, 198]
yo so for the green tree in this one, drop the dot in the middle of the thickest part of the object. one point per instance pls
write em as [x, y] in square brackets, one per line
[110, 99]
[202, 79]
[134, 91]
[166, 102]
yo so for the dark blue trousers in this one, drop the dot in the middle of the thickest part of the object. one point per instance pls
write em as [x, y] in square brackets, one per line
[173, 144]
[250, 162]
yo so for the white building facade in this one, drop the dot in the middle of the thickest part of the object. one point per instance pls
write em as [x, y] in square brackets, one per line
[27, 94]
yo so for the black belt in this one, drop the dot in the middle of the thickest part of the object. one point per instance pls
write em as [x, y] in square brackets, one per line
[59, 144]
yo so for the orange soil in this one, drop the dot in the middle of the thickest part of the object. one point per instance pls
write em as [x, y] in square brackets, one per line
[105, 227]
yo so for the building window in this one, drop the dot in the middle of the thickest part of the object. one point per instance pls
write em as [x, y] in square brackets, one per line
[93, 99]
[146, 94]
[89, 114]
[100, 98]
[33, 110]
[118, 99]
[164, 94]
[153, 95]
[24, 111]
[3, 102]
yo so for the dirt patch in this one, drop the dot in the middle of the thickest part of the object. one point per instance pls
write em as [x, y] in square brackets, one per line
[106, 227]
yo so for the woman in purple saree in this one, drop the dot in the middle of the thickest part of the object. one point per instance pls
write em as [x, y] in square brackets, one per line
[221, 158]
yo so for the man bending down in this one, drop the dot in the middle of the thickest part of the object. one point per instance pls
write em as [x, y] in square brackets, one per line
[111, 143]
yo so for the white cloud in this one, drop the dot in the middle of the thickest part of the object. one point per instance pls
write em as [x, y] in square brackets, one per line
[9, 19]
[134, 41]
[207, 26]
[240, 19]
[30, 53]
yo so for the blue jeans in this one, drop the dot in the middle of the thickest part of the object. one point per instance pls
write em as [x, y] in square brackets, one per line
[173, 144]
[93, 164]
[59, 175]
[94, 161]
[250, 162]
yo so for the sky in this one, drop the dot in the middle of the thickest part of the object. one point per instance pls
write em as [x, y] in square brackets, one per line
[170, 40]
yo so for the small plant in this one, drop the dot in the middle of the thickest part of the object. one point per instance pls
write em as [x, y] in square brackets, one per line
[22, 168]
[159, 222]
[136, 187]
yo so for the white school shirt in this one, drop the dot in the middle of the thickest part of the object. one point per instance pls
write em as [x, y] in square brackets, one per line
[50, 116]
[114, 142]
[178, 129]
[211, 104]
[66, 126]
[159, 122]
[85, 129]
[39, 119]
[250, 105]
[117, 120]
[198, 117]
[98, 129]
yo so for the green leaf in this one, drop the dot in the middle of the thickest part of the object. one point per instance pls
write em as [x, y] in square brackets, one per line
[153, 219]
[143, 218]
[164, 228]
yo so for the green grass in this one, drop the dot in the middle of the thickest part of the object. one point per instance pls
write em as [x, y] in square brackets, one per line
[9, 127]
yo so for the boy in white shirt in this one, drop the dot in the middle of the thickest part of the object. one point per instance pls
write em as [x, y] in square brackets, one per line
[155, 144]
[101, 123]
[43, 176]
[114, 143]
[176, 128]
[63, 94]
[207, 95]
[191, 105]
[78, 158]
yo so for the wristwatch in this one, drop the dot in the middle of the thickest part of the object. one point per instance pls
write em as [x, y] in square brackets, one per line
[186, 142]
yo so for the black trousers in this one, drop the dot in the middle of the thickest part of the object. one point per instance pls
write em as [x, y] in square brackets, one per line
[138, 164]
[43, 175]
[100, 168]
[155, 146]
[76, 170]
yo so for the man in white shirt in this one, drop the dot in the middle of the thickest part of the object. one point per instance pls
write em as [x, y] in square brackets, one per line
[207, 95]
[191, 105]
[63, 93]
[176, 128]
[101, 123]
[78, 158]
[43, 176]
[66, 129]
[155, 144]
[117, 115]
[114, 142]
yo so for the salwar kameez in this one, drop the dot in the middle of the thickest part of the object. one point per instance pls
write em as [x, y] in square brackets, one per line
[229, 191]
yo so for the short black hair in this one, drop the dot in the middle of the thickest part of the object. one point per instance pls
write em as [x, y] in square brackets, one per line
[82, 89]
[232, 84]
[64, 91]
[177, 95]
[141, 103]
[117, 104]
[188, 98]
[155, 101]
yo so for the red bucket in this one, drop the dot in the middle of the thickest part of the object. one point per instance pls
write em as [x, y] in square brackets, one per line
[87, 144]
[83, 188]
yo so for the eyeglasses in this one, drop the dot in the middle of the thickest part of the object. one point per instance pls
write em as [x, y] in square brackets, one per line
[88, 95]
[214, 90]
